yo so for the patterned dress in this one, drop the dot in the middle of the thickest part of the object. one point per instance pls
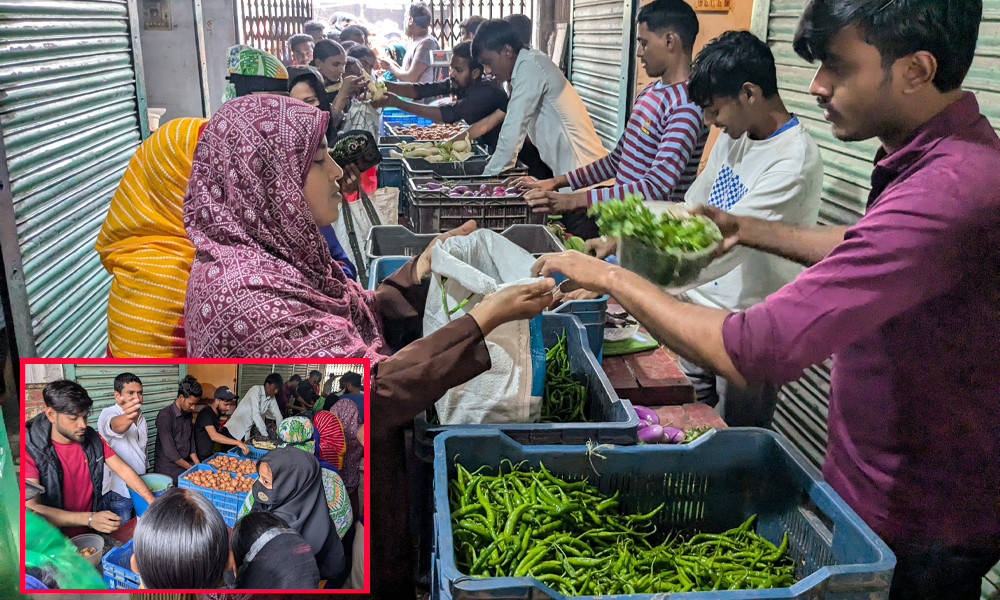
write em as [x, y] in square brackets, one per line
[336, 500]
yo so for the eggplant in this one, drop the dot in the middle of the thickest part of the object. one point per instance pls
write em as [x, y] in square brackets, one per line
[673, 435]
[651, 434]
[646, 415]
[432, 186]
[460, 188]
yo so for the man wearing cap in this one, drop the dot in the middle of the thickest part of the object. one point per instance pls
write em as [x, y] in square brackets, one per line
[208, 427]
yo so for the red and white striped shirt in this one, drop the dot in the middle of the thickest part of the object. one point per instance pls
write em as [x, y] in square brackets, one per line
[659, 152]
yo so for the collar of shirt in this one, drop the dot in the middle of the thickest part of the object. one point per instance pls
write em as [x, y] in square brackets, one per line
[959, 115]
[175, 410]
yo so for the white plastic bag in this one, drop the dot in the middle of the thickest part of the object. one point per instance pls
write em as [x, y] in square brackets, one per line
[386, 203]
[464, 270]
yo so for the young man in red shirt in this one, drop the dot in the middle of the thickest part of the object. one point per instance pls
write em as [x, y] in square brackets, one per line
[67, 458]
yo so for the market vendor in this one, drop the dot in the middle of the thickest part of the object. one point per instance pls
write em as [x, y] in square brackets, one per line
[175, 448]
[67, 458]
[123, 427]
[906, 299]
[659, 152]
[257, 404]
[288, 393]
[208, 425]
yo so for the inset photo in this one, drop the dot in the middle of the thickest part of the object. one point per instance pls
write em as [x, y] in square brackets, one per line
[194, 476]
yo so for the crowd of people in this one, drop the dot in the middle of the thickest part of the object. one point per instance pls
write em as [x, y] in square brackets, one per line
[905, 300]
[182, 542]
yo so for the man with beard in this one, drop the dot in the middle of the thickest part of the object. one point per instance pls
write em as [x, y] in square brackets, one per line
[175, 445]
[658, 154]
[67, 458]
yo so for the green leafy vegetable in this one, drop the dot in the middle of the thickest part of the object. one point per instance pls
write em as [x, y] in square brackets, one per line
[630, 218]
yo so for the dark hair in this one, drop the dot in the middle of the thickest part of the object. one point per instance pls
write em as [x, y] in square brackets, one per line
[673, 15]
[295, 377]
[464, 50]
[307, 392]
[471, 25]
[420, 14]
[493, 35]
[354, 31]
[324, 49]
[189, 387]
[313, 26]
[67, 397]
[729, 61]
[948, 30]
[299, 38]
[522, 25]
[311, 77]
[248, 529]
[360, 52]
[124, 379]
[181, 542]
[274, 379]
[348, 45]
[315, 372]
[46, 574]
[350, 377]
[353, 62]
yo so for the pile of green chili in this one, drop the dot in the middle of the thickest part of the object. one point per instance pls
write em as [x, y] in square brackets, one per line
[565, 398]
[573, 538]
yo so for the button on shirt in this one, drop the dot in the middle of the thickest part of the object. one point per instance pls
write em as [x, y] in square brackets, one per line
[130, 445]
[252, 409]
[909, 307]
[174, 440]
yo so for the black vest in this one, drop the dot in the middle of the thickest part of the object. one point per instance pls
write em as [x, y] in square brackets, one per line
[38, 443]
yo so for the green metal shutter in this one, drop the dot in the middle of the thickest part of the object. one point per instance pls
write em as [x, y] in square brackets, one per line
[159, 389]
[803, 405]
[248, 376]
[601, 41]
[71, 115]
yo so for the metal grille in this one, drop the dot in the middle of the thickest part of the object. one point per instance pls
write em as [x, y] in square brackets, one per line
[449, 14]
[267, 24]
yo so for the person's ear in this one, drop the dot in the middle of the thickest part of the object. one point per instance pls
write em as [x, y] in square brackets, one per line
[750, 93]
[918, 69]
[50, 414]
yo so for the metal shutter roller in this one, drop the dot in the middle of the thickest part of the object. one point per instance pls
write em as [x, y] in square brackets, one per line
[71, 116]
[602, 32]
[159, 390]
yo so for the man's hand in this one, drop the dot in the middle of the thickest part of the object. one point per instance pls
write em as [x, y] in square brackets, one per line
[351, 86]
[601, 247]
[132, 409]
[555, 202]
[349, 182]
[387, 99]
[560, 297]
[387, 64]
[105, 521]
[583, 271]
[544, 185]
[243, 447]
[728, 225]
[513, 303]
[424, 262]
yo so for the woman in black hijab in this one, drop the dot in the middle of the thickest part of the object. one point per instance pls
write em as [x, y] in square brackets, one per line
[290, 485]
[262, 544]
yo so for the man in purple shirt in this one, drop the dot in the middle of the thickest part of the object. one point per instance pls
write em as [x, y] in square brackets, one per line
[907, 300]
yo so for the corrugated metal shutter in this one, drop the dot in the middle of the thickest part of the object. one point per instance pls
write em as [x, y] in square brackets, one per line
[802, 408]
[159, 389]
[71, 116]
[601, 39]
[248, 376]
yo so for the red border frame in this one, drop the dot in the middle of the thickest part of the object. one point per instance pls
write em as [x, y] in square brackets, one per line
[217, 361]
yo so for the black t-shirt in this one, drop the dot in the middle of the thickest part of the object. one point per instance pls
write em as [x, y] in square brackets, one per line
[204, 444]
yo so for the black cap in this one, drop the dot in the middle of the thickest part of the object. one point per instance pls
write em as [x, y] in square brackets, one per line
[224, 393]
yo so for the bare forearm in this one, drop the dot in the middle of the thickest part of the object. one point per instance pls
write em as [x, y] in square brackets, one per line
[218, 437]
[180, 462]
[406, 90]
[804, 245]
[194, 458]
[133, 480]
[59, 517]
[692, 331]
[421, 110]
[487, 124]
[121, 423]
[413, 75]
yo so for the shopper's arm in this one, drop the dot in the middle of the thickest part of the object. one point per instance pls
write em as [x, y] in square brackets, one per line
[217, 437]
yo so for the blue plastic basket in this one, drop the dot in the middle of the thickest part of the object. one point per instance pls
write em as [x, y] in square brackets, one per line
[712, 485]
[592, 315]
[117, 568]
[255, 453]
[228, 503]
[382, 268]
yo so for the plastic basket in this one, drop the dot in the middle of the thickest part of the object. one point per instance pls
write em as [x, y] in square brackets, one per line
[396, 240]
[472, 167]
[117, 568]
[237, 454]
[615, 423]
[228, 503]
[382, 268]
[592, 314]
[255, 453]
[711, 485]
[444, 214]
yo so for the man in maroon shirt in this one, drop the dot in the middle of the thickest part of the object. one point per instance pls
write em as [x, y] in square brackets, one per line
[67, 458]
[907, 300]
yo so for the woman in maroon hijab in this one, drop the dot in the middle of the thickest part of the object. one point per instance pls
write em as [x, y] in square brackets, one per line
[263, 285]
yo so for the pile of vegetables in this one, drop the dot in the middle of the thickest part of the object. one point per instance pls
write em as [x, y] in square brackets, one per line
[651, 431]
[263, 445]
[483, 190]
[221, 480]
[374, 90]
[569, 241]
[435, 152]
[565, 398]
[438, 131]
[573, 538]
[242, 466]
[676, 230]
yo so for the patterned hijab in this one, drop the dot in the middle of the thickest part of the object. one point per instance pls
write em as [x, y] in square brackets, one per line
[252, 70]
[263, 283]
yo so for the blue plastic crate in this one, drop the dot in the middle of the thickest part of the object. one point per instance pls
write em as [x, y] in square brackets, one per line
[382, 268]
[117, 568]
[592, 314]
[228, 503]
[712, 485]
[255, 453]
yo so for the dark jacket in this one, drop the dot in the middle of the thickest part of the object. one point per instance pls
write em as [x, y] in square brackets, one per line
[38, 443]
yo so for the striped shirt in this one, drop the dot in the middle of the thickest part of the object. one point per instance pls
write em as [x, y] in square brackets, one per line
[659, 152]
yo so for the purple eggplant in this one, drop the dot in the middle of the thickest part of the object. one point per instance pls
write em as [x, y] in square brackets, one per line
[673, 435]
[433, 186]
[651, 434]
[646, 415]
[460, 188]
